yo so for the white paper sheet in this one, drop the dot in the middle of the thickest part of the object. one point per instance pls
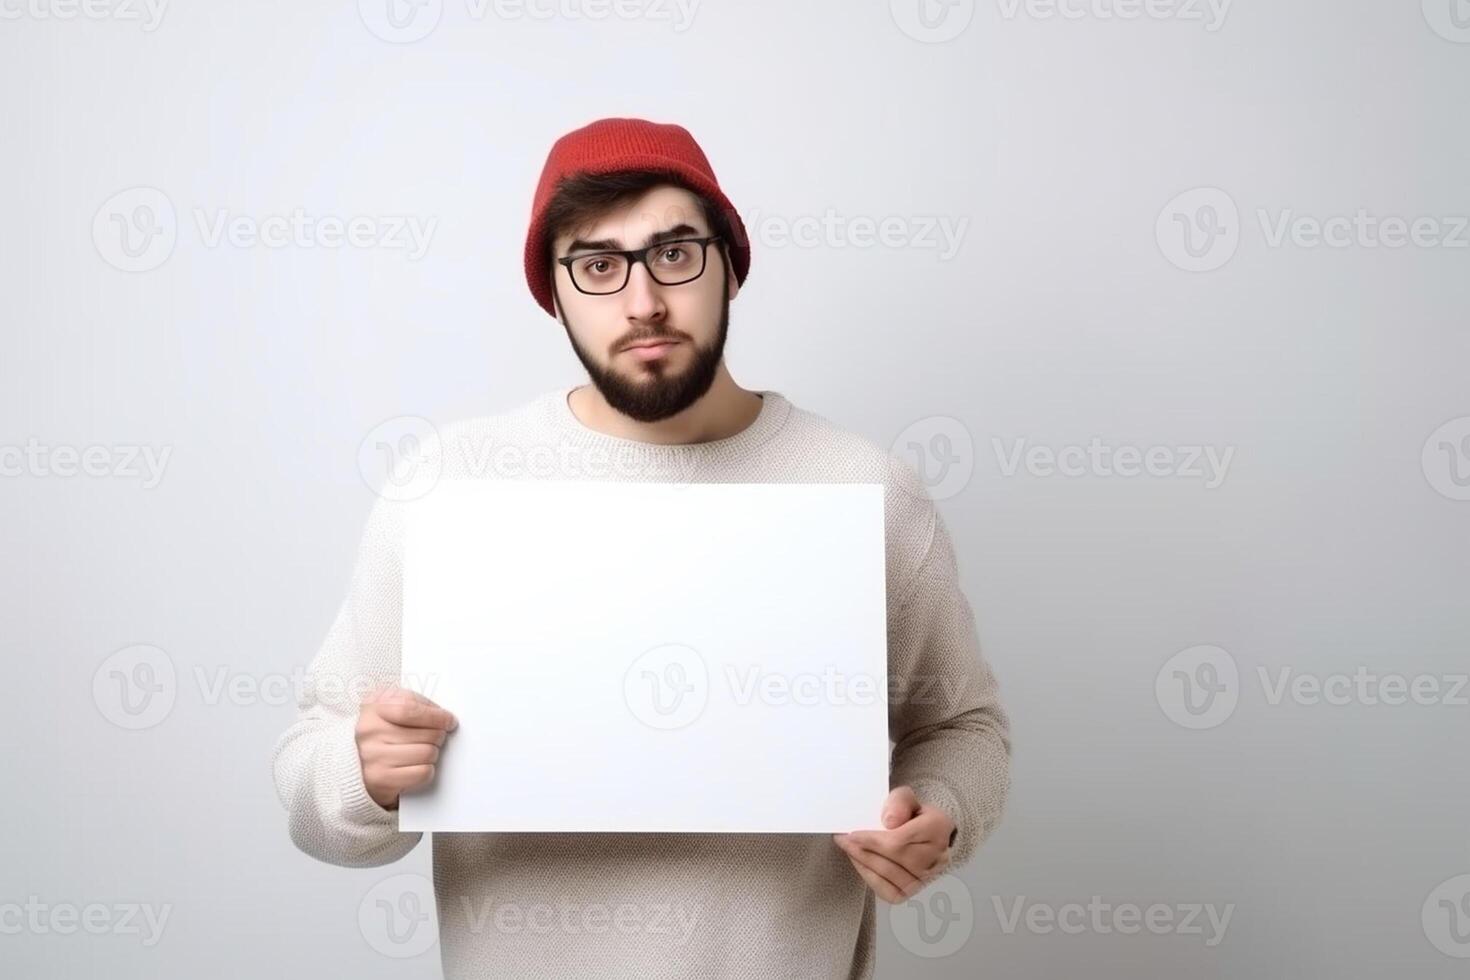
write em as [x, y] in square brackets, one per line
[629, 656]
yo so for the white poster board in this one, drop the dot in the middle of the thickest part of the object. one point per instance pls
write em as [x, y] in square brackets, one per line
[628, 656]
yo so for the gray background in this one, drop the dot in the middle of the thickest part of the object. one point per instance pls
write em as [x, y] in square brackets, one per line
[1336, 542]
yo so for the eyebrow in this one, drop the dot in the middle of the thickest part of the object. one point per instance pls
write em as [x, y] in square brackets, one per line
[613, 245]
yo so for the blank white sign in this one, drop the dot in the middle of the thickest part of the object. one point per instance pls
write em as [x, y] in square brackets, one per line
[629, 656]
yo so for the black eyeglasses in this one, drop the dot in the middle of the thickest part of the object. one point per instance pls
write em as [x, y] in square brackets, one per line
[670, 263]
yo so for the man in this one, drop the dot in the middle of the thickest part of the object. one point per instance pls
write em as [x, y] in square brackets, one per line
[637, 251]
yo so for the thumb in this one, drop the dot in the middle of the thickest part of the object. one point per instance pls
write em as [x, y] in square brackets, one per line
[900, 807]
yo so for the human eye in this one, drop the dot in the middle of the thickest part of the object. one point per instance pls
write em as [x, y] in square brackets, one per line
[599, 268]
[674, 255]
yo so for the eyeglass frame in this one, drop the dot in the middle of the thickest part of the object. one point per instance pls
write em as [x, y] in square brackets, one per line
[634, 256]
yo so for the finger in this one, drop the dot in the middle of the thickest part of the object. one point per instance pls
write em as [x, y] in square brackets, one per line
[886, 841]
[400, 755]
[938, 865]
[915, 857]
[930, 825]
[900, 807]
[907, 881]
[881, 885]
[938, 817]
[884, 888]
[892, 871]
[409, 713]
[391, 693]
[396, 735]
[924, 863]
[400, 778]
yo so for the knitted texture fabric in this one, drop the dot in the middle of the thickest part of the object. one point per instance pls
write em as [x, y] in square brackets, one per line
[611, 145]
[659, 905]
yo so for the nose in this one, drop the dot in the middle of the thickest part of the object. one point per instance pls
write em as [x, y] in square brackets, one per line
[643, 297]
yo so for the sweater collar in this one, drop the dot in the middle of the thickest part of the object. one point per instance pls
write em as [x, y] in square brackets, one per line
[775, 409]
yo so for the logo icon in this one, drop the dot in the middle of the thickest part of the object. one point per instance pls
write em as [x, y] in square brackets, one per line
[401, 21]
[941, 452]
[1199, 230]
[1446, 459]
[1446, 917]
[1198, 687]
[396, 916]
[1450, 19]
[933, 21]
[667, 687]
[937, 921]
[135, 230]
[398, 460]
[136, 687]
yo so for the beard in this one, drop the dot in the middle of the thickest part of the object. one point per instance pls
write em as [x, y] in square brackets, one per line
[656, 391]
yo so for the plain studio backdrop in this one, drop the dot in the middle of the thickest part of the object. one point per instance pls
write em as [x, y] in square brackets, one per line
[1167, 301]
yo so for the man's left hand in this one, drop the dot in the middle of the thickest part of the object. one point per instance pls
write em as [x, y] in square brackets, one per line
[911, 851]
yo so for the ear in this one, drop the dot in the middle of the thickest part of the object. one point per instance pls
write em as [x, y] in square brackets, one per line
[733, 282]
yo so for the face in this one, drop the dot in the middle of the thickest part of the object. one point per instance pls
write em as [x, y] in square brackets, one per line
[611, 333]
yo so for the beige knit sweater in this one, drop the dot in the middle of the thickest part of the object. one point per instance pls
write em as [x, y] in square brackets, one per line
[659, 905]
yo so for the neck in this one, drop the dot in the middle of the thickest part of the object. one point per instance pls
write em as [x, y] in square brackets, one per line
[723, 411]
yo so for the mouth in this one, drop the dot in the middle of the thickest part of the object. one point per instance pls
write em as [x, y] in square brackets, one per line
[649, 350]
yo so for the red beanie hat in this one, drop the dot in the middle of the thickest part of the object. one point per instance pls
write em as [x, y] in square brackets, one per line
[609, 145]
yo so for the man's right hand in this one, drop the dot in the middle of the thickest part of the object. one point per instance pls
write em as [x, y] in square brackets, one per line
[399, 734]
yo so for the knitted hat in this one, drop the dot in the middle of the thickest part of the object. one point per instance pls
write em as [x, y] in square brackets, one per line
[609, 145]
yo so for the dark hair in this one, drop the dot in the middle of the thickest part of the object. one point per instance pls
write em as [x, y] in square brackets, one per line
[582, 197]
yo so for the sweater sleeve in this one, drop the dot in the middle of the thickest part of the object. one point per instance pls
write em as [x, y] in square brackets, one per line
[951, 733]
[318, 773]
